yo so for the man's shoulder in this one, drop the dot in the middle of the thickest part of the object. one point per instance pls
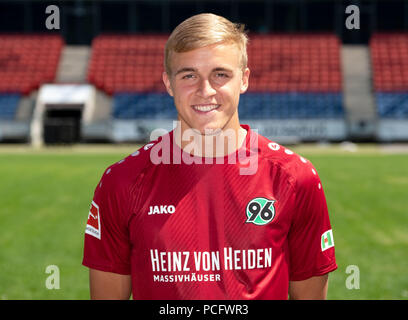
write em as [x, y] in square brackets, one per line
[127, 170]
[279, 154]
[295, 166]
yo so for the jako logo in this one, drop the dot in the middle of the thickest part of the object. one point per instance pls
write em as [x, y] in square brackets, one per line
[161, 210]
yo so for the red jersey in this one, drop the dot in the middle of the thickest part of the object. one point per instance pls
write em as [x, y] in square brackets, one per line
[189, 230]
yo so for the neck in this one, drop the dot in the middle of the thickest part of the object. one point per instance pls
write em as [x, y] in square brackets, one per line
[217, 144]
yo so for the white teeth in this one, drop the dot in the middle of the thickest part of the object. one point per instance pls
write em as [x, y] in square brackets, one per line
[206, 108]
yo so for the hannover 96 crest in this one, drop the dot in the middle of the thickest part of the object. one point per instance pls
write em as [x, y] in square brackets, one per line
[260, 211]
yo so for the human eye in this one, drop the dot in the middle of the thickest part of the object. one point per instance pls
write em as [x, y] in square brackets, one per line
[188, 76]
[221, 75]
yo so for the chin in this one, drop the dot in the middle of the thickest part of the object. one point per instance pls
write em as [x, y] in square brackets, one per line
[209, 130]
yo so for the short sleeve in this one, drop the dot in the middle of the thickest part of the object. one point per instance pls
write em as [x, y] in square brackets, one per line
[310, 239]
[107, 244]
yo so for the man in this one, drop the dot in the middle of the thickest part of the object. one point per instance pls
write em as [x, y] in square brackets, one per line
[200, 226]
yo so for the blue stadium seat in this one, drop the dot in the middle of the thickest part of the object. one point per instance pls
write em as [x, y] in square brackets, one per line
[143, 106]
[291, 105]
[393, 105]
[8, 105]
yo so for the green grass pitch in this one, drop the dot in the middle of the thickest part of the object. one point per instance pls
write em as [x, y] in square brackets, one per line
[45, 197]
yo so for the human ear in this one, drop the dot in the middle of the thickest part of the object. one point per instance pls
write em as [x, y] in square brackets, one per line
[245, 80]
[166, 81]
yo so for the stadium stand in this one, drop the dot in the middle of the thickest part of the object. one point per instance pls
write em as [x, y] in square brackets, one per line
[293, 77]
[143, 105]
[302, 71]
[291, 105]
[8, 105]
[295, 62]
[389, 55]
[127, 63]
[389, 59]
[300, 78]
[392, 105]
[359, 104]
[27, 61]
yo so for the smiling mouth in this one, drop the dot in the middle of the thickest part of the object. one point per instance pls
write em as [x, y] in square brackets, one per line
[206, 107]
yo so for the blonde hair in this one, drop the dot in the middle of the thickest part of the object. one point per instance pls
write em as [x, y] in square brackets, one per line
[203, 30]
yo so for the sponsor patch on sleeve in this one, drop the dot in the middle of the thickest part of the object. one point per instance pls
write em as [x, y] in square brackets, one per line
[93, 226]
[327, 240]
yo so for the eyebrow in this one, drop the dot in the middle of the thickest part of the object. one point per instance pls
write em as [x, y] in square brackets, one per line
[185, 70]
[222, 69]
[188, 69]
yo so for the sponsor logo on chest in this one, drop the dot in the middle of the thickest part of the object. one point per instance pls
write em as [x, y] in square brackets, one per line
[260, 211]
[162, 209]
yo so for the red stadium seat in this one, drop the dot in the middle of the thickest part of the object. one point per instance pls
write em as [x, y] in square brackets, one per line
[299, 62]
[389, 53]
[126, 63]
[28, 61]
[279, 62]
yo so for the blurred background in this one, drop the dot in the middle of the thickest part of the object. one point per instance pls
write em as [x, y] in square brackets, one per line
[81, 88]
[92, 72]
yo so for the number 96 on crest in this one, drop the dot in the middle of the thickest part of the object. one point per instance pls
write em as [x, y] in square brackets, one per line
[260, 211]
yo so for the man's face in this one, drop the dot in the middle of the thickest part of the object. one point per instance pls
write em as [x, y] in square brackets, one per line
[205, 84]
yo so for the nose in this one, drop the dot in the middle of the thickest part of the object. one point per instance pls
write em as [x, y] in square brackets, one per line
[205, 89]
